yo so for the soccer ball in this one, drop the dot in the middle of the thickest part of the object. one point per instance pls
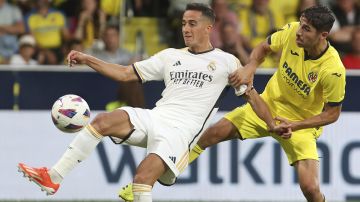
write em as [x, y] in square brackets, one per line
[70, 113]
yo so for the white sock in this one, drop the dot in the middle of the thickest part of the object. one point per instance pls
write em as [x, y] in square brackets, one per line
[142, 192]
[55, 176]
[79, 149]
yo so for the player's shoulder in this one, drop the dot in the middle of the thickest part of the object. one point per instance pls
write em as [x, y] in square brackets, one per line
[230, 59]
[166, 50]
[333, 57]
[288, 29]
[172, 51]
[332, 62]
[216, 52]
[220, 53]
[284, 34]
[290, 26]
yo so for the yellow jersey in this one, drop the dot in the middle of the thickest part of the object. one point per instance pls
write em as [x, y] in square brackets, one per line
[301, 85]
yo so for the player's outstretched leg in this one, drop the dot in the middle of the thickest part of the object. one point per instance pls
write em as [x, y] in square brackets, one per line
[79, 149]
[220, 131]
[149, 170]
[308, 173]
[126, 193]
[41, 177]
[114, 123]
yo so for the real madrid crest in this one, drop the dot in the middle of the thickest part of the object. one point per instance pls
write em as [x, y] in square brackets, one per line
[312, 76]
[211, 67]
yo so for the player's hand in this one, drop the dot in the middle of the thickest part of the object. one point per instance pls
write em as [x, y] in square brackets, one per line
[284, 127]
[242, 76]
[75, 57]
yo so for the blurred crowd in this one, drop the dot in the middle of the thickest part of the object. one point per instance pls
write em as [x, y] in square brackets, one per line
[34, 32]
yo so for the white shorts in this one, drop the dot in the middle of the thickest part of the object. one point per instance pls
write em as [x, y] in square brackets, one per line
[169, 142]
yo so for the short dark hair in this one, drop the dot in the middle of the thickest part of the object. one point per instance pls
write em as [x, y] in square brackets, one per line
[206, 10]
[321, 17]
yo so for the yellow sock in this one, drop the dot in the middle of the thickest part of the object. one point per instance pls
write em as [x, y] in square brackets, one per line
[195, 153]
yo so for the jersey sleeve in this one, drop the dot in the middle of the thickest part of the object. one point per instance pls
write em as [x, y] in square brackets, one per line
[234, 63]
[151, 68]
[333, 84]
[279, 38]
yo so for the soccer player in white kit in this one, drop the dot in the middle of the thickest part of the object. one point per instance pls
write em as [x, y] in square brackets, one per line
[195, 78]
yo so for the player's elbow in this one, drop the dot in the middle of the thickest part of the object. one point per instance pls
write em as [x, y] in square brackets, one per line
[125, 74]
[333, 117]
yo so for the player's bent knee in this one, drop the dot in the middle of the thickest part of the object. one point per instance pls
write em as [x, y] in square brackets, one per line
[116, 123]
[101, 123]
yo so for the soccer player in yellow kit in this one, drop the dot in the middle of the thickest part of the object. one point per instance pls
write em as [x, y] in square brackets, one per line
[305, 92]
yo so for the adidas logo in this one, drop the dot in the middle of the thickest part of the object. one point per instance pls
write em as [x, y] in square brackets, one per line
[177, 63]
[172, 158]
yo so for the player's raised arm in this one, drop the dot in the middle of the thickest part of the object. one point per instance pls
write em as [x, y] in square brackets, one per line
[263, 112]
[113, 71]
[246, 75]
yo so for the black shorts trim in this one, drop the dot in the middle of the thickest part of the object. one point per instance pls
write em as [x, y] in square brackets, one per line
[137, 73]
[217, 103]
[122, 140]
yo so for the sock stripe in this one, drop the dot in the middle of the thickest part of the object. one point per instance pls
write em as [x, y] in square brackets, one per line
[181, 165]
[141, 188]
[93, 131]
[141, 185]
[198, 149]
[195, 153]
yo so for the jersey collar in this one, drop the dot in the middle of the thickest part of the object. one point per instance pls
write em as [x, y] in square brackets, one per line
[196, 53]
[308, 57]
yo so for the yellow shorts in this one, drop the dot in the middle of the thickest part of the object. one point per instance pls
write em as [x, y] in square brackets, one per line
[301, 145]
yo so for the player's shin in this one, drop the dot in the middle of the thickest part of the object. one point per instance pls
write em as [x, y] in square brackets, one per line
[79, 149]
[142, 193]
[195, 153]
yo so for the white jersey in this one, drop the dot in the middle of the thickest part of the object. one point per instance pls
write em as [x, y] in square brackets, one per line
[194, 83]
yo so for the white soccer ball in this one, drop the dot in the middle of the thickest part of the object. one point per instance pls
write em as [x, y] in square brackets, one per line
[70, 113]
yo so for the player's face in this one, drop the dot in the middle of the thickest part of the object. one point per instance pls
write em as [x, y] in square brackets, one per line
[195, 28]
[307, 36]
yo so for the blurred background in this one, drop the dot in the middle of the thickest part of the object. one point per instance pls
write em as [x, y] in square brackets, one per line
[36, 36]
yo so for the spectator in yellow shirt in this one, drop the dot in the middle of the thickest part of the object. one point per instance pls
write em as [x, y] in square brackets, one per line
[257, 23]
[48, 26]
